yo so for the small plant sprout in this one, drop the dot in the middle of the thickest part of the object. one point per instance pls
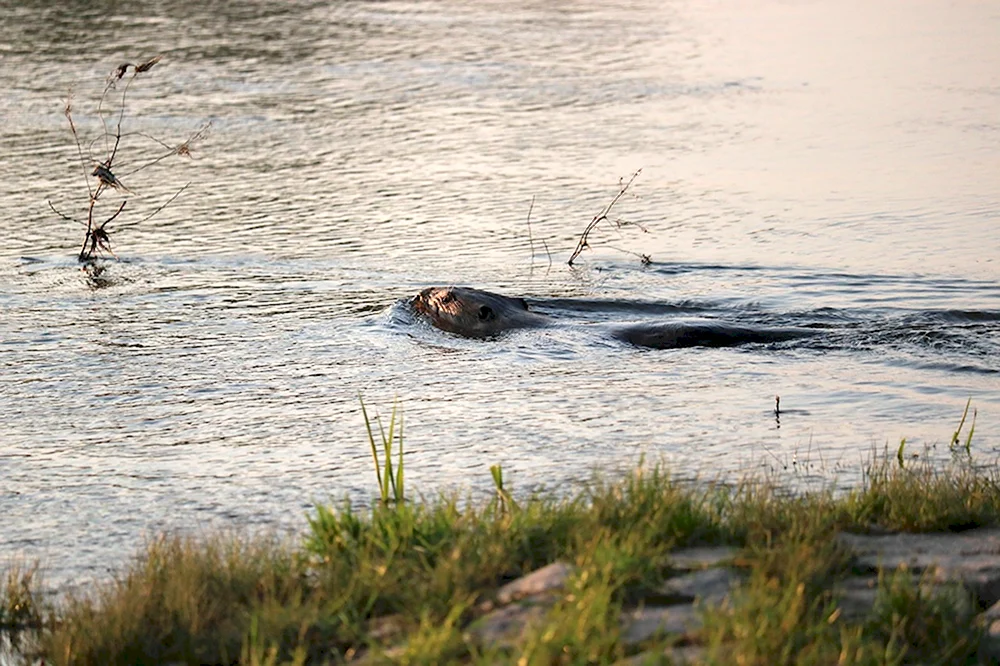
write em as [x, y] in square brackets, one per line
[504, 501]
[106, 167]
[953, 444]
[390, 482]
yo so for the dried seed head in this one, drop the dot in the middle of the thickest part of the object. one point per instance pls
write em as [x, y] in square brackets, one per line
[120, 72]
[148, 65]
[107, 178]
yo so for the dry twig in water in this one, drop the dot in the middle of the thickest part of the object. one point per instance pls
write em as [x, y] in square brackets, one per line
[97, 239]
[584, 241]
[531, 240]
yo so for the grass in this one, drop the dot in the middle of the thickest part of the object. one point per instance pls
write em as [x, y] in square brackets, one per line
[390, 483]
[404, 582]
[20, 599]
[23, 611]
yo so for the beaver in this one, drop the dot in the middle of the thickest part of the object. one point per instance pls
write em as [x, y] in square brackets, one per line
[474, 313]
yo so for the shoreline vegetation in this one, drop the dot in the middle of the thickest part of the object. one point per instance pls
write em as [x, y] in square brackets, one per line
[641, 569]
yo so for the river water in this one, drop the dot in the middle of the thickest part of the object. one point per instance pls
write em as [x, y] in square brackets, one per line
[826, 165]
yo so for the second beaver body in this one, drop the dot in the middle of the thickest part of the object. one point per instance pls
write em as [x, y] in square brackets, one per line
[474, 313]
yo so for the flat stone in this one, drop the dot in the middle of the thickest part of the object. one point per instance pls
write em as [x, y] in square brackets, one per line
[376, 657]
[990, 645]
[688, 655]
[971, 558]
[381, 629]
[992, 614]
[506, 625]
[702, 557]
[991, 621]
[641, 624]
[989, 650]
[547, 579]
[711, 586]
[856, 597]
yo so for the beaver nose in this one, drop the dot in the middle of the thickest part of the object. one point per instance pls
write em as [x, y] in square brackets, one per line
[419, 301]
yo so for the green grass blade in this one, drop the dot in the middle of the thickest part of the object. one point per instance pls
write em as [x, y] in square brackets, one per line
[961, 424]
[505, 501]
[390, 479]
[399, 466]
[371, 440]
[972, 429]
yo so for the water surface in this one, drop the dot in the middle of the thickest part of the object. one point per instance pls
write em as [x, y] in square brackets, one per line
[825, 165]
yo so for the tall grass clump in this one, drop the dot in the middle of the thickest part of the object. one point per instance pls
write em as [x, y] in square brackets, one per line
[923, 497]
[914, 620]
[21, 605]
[417, 563]
[186, 601]
[780, 615]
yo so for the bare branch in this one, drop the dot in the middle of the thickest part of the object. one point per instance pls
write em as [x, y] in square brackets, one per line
[99, 239]
[107, 168]
[165, 204]
[117, 212]
[531, 241]
[584, 243]
[64, 215]
[84, 255]
[183, 149]
[645, 259]
[152, 138]
[114, 78]
[620, 222]
[68, 112]
[136, 70]
[118, 129]
[547, 254]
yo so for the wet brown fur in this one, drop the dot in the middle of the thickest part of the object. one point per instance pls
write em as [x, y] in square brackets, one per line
[474, 313]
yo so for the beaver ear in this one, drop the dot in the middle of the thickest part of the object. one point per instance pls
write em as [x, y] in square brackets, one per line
[524, 303]
[486, 313]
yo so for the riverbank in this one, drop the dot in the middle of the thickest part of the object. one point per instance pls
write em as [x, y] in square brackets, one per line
[641, 569]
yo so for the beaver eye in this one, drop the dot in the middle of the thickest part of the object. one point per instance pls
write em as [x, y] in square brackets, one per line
[448, 298]
[485, 313]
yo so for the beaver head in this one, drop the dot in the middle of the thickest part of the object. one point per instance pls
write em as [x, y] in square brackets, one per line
[473, 313]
